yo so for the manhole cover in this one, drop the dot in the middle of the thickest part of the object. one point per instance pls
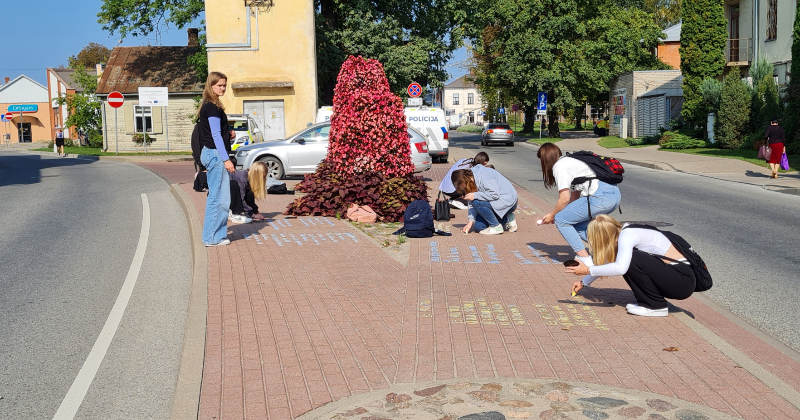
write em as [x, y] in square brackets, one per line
[654, 224]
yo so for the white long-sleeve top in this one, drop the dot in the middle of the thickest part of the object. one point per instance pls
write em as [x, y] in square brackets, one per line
[647, 240]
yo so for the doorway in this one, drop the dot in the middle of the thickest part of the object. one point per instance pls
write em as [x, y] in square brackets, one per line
[269, 115]
[24, 130]
[734, 34]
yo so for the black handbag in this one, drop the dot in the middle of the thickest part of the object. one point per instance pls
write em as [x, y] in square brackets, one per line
[442, 209]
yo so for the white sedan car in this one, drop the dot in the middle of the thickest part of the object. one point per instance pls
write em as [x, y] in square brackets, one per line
[302, 153]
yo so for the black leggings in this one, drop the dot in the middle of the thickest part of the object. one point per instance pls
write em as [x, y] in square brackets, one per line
[236, 200]
[652, 280]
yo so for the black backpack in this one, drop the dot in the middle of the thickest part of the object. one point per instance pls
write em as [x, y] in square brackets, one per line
[417, 220]
[606, 169]
[701, 273]
[197, 148]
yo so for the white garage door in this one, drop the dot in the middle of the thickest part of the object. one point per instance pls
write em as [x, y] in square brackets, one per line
[269, 117]
[651, 114]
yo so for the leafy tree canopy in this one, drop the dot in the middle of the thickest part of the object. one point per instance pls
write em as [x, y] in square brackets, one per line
[83, 107]
[665, 12]
[90, 56]
[146, 17]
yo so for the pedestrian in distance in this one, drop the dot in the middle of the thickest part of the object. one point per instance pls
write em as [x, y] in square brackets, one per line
[492, 199]
[60, 142]
[651, 265]
[776, 137]
[215, 156]
[246, 187]
[571, 213]
[447, 187]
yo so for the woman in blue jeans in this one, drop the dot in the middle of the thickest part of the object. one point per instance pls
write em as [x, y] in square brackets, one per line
[571, 213]
[215, 138]
[492, 199]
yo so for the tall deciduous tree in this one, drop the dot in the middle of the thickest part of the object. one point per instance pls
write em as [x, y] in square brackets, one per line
[568, 48]
[90, 56]
[702, 52]
[791, 119]
[734, 111]
[83, 107]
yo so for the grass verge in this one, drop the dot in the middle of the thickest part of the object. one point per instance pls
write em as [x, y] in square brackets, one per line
[745, 155]
[97, 151]
[614, 142]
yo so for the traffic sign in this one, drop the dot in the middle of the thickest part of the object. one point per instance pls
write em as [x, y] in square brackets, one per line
[115, 99]
[542, 103]
[8, 117]
[414, 101]
[414, 90]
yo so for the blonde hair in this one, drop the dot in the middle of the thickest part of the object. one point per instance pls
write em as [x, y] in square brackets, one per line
[603, 234]
[208, 94]
[257, 177]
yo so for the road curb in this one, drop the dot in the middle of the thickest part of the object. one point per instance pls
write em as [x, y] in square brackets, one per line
[646, 165]
[186, 401]
[121, 158]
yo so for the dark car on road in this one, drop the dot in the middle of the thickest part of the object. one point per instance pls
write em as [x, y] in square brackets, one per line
[497, 133]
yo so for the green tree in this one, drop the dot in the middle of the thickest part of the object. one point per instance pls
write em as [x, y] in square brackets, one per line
[570, 49]
[702, 52]
[83, 107]
[147, 17]
[665, 12]
[731, 124]
[791, 121]
[765, 102]
[90, 56]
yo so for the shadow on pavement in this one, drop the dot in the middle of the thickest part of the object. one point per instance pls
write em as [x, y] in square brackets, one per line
[27, 169]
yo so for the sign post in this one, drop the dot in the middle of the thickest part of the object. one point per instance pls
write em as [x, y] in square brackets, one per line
[154, 97]
[6, 118]
[115, 100]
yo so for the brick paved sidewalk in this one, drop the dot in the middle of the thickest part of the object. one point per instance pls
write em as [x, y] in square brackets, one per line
[306, 311]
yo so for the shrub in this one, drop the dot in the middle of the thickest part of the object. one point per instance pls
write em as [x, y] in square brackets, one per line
[683, 142]
[369, 158]
[711, 90]
[95, 138]
[330, 194]
[734, 112]
[653, 139]
[634, 142]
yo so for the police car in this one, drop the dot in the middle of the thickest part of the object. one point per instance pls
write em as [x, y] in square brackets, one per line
[429, 121]
[246, 129]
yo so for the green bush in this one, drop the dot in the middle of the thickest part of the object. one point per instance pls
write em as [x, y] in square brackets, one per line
[734, 111]
[469, 128]
[653, 139]
[95, 139]
[634, 142]
[683, 142]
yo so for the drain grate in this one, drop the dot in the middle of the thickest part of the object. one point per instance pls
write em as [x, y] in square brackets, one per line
[653, 224]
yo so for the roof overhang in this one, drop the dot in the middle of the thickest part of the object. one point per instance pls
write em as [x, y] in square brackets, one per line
[263, 85]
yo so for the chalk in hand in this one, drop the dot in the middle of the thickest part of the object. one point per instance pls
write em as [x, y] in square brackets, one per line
[540, 221]
[574, 294]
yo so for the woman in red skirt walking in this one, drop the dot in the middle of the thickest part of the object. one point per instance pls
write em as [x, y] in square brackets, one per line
[776, 138]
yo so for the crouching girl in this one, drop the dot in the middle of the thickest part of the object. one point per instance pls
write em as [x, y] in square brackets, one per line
[492, 199]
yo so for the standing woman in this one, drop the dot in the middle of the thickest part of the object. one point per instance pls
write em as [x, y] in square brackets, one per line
[215, 138]
[653, 268]
[776, 137]
[492, 199]
[571, 213]
[60, 142]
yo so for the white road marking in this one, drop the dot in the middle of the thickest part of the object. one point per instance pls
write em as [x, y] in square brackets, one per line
[77, 392]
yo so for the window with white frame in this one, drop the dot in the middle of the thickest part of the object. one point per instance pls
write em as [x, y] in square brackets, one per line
[470, 98]
[455, 99]
[144, 118]
[772, 20]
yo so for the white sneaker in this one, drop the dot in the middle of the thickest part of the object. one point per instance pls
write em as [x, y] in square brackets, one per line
[587, 261]
[223, 242]
[635, 309]
[240, 219]
[492, 230]
[457, 204]
[511, 226]
[230, 215]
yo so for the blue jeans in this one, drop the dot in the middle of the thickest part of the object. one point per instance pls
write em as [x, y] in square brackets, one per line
[574, 219]
[486, 216]
[215, 223]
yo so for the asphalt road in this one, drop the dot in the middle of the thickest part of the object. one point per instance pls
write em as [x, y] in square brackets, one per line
[747, 235]
[68, 232]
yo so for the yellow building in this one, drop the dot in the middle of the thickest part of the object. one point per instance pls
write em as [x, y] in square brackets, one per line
[267, 49]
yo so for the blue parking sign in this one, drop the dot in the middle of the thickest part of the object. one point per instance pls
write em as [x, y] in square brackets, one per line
[542, 103]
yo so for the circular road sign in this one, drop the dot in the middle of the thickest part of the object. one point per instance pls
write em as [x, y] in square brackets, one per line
[414, 90]
[115, 99]
[9, 116]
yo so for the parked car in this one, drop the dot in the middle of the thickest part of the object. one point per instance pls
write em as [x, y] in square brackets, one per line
[301, 153]
[246, 129]
[497, 133]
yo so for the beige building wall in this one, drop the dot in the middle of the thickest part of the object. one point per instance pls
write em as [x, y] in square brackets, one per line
[633, 85]
[275, 61]
[460, 112]
[39, 121]
[175, 120]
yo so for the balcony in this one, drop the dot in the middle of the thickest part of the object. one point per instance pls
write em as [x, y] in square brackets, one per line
[738, 52]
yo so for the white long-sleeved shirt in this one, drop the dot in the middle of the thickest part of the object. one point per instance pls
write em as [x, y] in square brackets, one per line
[647, 240]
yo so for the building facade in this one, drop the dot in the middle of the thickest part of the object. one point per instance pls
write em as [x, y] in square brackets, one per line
[268, 52]
[168, 127]
[760, 28]
[669, 50]
[33, 124]
[641, 102]
[60, 83]
[462, 102]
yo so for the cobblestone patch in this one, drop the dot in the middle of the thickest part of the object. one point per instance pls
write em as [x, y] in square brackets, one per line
[501, 399]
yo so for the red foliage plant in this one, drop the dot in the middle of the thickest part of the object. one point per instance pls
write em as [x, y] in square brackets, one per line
[368, 126]
[369, 155]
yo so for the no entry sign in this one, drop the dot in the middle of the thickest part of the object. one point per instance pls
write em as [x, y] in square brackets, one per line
[115, 99]
[8, 116]
[414, 90]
